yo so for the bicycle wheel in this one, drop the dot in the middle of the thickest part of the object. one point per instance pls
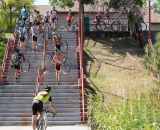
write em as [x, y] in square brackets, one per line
[41, 39]
[64, 46]
[101, 26]
[66, 67]
[115, 26]
[25, 65]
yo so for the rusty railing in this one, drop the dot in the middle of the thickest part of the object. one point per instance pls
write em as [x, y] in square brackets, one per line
[41, 70]
[8, 50]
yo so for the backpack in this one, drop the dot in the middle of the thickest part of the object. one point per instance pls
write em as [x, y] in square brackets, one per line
[15, 59]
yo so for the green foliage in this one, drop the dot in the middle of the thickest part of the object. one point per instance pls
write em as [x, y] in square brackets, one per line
[11, 11]
[2, 49]
[152, 59]
[140, 113]
[68, 3]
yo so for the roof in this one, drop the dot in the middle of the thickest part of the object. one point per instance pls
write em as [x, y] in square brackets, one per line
[87, 8]
[155, 17]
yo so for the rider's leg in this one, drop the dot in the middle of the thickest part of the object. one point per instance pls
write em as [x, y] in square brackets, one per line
[34, 121]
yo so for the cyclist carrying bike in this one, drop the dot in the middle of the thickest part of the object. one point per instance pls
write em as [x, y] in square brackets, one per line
[37, 105]
[47, 17]
[15, 62]
[24, 13]
[54, 16]
[22, 31]
[35, 33]
[56, 39]
[69, 17]
[57, 61]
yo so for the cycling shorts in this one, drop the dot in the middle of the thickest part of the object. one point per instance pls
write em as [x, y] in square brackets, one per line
[37, 106]
[34, 38]
[58, 67]
[22, 39]
[53, 19]
[17, 67]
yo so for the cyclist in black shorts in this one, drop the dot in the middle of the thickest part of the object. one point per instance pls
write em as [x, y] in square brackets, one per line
[57, 61]
[15, 62]
[35, 33]
[37, 106]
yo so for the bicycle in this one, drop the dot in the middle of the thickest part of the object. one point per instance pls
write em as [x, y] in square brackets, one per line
[42, 124]
[24, 67]
[64, 63]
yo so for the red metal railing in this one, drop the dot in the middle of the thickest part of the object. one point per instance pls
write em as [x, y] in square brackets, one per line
[8, 50]
[41, 70]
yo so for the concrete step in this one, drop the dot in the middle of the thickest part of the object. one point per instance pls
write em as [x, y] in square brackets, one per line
[68, 118]
[23, 94]
[21, 123]
[24, 105]
[29, 110]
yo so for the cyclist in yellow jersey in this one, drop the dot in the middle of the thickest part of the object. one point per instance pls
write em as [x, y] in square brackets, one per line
[37, 106]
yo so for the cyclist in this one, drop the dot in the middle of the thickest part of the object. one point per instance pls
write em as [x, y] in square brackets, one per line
[57, 61]
[47, 17]
[69, 17]
[38, 16]
[98, 18]
[24, 13]
[56, 39]
[35, 33]
[54, 16]
[22, 31]
[15, 62]
[37, 105]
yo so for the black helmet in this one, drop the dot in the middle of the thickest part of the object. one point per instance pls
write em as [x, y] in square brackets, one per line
[47, 88]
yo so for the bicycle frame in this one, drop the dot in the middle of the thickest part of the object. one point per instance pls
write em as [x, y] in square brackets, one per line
[42, 125]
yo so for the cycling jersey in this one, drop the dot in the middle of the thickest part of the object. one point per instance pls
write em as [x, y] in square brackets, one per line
[24, 13]
[35, 31]
[53, 13]
[22, 31]
[43, 96]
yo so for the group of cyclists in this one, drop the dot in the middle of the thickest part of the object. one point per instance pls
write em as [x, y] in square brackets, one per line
[22, 28]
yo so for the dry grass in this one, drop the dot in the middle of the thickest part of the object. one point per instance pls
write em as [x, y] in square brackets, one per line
[115, 67]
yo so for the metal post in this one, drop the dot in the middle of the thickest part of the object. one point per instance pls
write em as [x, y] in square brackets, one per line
[149, 30]
[81, 41]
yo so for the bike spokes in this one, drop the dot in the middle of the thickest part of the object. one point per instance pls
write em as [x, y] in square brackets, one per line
[66, 67]
[64, 46]
[25, 65]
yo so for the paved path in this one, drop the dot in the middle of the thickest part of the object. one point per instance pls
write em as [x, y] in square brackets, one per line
[75, 127]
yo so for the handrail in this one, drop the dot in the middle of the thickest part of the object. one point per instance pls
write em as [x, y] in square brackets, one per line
[6, 54]
[41, 70]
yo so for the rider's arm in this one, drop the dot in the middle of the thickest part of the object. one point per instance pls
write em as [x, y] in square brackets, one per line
[52, 105]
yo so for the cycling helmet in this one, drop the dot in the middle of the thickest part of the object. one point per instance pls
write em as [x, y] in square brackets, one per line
[47, 88]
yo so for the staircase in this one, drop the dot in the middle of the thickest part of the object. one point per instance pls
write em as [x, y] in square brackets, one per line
[16, 98]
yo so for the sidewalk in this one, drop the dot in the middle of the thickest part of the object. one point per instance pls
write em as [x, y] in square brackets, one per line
[75, 127]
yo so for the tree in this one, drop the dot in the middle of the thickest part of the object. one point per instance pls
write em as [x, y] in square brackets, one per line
[10, 11]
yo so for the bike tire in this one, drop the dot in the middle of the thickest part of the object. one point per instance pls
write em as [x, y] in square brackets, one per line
[64, 46]
[101, 26]
[115, 26]
[66, 67]
[25, 65]
[41, 39]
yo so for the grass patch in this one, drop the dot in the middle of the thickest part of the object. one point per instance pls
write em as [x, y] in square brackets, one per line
[115, 67]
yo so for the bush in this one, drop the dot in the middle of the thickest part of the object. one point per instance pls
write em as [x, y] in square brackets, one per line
[142, 112]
